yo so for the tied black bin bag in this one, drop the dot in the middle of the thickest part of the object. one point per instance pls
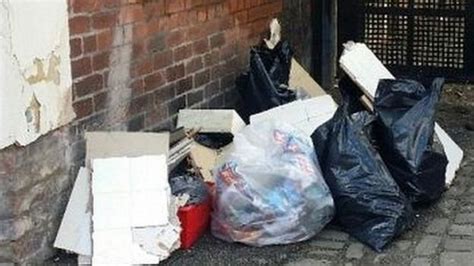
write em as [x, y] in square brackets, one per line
[405, 127]
[369, 204]
[266, 84]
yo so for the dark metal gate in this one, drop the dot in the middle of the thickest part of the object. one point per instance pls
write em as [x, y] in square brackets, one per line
[414, 38]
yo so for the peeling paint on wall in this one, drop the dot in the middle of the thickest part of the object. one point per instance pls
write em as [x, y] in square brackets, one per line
[53, 74]
[35, 69]
[32, 114]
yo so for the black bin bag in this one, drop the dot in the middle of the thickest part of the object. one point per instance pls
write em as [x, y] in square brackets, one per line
[369, 204]
[265, 85]
[405, 128]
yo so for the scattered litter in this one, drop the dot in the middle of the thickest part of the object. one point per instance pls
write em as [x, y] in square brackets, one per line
[211, 121]
[369, 204]
[267, 182]
[74, 232]
[179, 152]
[405, 121]
[192, 186]
[306, 115]
[269, 189]
[194, 222]
[214, 140]
[195, 211]
[182, 199]
[205, 159]
[365, 69]
[177, 135]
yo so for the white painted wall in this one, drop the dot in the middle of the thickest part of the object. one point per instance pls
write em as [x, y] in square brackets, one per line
[35, 69]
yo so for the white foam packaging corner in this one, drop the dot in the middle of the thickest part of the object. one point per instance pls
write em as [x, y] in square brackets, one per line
[365, 69]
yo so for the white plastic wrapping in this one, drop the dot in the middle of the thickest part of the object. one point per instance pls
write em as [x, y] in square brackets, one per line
[270, 189]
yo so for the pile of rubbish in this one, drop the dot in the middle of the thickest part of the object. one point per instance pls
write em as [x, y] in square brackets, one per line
[270, 189]
[300, 163]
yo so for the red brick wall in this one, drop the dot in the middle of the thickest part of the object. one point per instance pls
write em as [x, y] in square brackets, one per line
[135, 63]
[184, 53]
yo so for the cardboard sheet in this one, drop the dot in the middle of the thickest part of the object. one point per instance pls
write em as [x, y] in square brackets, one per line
[205, 160]
[301, 79]
[125, 144]
[365, 69]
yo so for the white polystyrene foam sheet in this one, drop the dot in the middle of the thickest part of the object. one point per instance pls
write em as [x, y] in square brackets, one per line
[127, 193]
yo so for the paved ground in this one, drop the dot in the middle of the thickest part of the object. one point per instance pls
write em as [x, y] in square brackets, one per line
[443, 235]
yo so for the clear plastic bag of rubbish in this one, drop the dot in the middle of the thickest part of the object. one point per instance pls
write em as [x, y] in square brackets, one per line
[270, 189]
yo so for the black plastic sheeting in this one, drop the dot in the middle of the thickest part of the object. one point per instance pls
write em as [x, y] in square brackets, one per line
[191, 185]
[214, 140]
[369, 203]
[266, 84]
[405, 112]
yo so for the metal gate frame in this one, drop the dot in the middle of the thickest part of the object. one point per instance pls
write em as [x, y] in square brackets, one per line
[352, 26]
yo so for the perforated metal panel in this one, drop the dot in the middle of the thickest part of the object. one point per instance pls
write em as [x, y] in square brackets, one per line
[414, 37]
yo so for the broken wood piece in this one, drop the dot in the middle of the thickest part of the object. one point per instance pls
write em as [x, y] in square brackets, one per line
[366, 70]
[74, 231]
[178, 152]
[177, 135]
[367, 103]
[300, 79]
[204, 160]
[211, 121]
[181, 150]
[306, 115]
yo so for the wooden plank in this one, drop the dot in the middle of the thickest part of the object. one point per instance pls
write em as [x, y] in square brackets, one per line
[299, 78]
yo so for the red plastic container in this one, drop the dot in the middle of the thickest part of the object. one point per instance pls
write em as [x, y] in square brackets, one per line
[194, 222]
